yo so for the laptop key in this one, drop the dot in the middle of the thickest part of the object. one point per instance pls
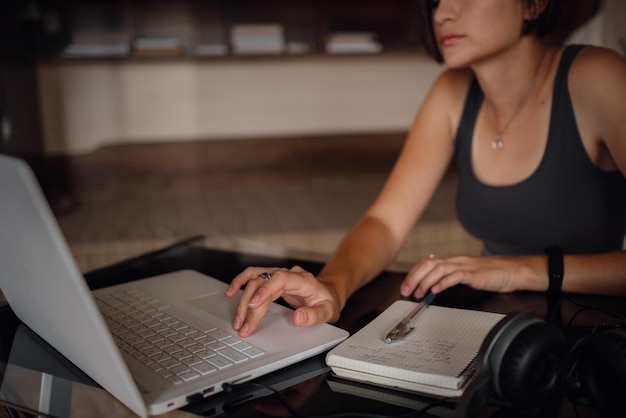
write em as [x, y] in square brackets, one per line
[218, 334]
[177, 350]
[180, 369]
[233, 355]
[216, 345]
[190, 375]
[203, 368]
[220, 362]
[253, 352]
[242, 345]
[175, 379]
[169, 363]
[190, 361]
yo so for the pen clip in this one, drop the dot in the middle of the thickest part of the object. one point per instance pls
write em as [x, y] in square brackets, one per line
[398, 332]
[402, 329]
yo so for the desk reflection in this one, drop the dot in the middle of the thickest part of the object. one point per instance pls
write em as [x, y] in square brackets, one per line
[39, 381]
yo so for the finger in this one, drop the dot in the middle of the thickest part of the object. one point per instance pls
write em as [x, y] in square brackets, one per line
[241, 311]
[448, 281]
[250, 273]
[413, 282]
[256, 298]
[243, 278]
[433, 280]
[295, 283]
[253, 319]
[306, 316]
[272, 287]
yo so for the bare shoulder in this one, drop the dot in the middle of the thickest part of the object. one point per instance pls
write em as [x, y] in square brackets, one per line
[449, 92]
[597, 85]
[453, 83]
[596, 72]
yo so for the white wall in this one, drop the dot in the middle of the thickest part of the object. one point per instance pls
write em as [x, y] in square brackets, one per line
[606, 28]
[86, 104]
[614, 25]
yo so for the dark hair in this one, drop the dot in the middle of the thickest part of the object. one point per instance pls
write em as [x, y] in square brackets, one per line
[540, 26]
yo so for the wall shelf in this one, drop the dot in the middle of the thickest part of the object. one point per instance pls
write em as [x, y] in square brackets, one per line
[223, 28]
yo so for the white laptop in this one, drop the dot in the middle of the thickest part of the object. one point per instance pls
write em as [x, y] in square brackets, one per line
[173, 340]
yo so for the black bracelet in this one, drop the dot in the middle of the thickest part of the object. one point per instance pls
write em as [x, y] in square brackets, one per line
[555, 270]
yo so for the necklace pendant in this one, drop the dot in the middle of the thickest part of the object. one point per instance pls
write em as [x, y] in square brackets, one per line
[497, 143]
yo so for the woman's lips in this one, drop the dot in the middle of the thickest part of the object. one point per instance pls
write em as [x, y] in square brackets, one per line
[448, 39]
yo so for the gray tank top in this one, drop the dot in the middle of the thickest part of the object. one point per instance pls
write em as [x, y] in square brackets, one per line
[568, 201]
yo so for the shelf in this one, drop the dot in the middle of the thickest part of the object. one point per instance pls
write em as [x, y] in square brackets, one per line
[226, 28]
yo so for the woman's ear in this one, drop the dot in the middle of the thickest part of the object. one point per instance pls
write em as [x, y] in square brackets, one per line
[534, 8]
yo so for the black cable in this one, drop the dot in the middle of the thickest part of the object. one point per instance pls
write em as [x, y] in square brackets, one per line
[584, 308]
[283, 399]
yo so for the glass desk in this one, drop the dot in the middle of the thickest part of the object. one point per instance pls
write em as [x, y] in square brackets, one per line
[35, 380]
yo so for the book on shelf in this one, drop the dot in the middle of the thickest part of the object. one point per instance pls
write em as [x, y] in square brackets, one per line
[265, 38]
[353, 43]
[97, 44]
[436, 358]
[96, 50]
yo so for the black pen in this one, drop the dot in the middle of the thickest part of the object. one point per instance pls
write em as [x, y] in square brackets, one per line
[402, 329]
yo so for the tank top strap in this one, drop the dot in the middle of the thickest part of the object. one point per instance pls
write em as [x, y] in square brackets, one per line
[473, 101]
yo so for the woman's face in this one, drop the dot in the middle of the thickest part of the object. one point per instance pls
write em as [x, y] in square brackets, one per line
[468, 31]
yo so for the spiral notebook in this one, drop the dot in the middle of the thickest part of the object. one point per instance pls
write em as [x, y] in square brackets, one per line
[437, 358]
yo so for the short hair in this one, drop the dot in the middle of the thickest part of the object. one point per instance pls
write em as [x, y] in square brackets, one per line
[540, 26]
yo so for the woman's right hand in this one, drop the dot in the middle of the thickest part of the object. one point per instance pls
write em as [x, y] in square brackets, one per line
[314, 302]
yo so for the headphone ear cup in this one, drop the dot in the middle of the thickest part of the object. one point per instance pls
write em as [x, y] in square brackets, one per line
[532, 367]
[484, 387]
[519, 363]
[602, 371]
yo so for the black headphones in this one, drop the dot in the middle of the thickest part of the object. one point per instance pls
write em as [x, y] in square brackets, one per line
[522, 363]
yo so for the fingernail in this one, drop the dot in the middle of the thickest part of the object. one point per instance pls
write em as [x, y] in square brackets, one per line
[405, 291]
[300, 318]
[244, 329]
[254, 300]
[435, 289]
[237, 323]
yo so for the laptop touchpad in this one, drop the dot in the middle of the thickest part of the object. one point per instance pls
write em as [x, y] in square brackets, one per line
[219, 305]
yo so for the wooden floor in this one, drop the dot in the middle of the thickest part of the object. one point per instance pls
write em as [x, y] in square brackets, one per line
[300, 194]
[197, 164]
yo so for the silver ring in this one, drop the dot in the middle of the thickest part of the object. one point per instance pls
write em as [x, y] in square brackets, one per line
[441, 259]
[266, 276]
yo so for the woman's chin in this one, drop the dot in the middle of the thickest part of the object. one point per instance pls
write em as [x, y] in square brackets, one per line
[455, 61]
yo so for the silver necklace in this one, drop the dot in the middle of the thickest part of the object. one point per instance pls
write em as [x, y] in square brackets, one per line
[497, 142]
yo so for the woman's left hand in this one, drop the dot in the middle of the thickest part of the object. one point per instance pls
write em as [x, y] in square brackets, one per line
[491, 273]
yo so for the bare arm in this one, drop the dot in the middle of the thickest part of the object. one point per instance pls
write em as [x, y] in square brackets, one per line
[597, 83]
[598, 90]
[603, 274]
[376, 239]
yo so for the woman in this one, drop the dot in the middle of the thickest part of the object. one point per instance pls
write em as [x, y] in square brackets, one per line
[540, 140]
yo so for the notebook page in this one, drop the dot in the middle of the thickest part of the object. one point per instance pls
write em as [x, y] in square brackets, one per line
[441, 347]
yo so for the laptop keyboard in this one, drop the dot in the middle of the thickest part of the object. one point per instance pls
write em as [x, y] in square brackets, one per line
[177, 351]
